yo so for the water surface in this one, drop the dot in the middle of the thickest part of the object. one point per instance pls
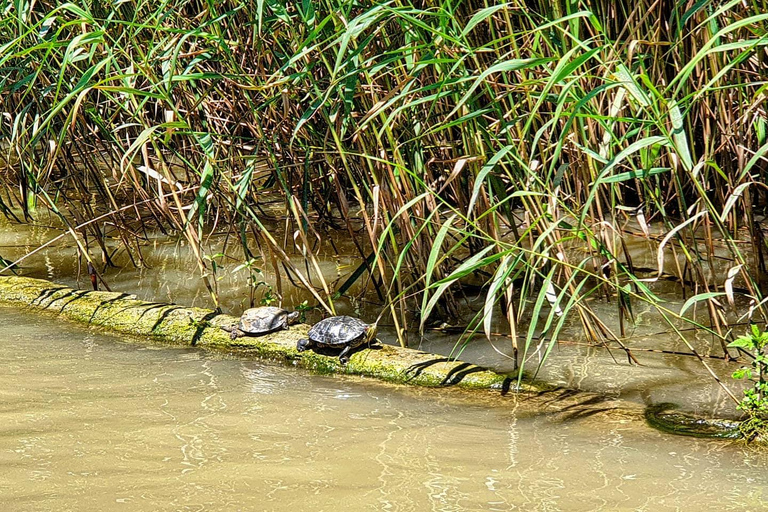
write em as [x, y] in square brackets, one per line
[169, 274]
[93, 422]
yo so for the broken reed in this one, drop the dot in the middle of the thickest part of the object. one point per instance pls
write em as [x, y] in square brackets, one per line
[510, 142]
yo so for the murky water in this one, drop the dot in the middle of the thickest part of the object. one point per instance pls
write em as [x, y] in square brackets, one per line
[89, 422]
[170, 275]
[168, 271]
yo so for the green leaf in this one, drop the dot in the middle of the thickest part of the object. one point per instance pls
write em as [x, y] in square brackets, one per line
[639, 174]
[437, 247]
[480, 16]
[679, 136]
[741, 373]
[480, 178]
[506, 66]
[743, 342]
[464, 269]
[697, 298]
[629, 150]
[205, 142]
[623, 75]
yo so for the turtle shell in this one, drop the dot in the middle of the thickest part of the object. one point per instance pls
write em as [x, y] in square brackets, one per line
[339, 331]
[263, 320]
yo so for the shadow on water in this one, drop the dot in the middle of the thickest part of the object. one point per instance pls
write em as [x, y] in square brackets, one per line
[568, 405]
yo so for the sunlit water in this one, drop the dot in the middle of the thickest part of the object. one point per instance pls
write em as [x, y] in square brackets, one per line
[91, 422]
[88, 422]
[170, 275]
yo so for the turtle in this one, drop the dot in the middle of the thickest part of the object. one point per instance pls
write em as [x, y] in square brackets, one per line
[344, 332]
[262, 320]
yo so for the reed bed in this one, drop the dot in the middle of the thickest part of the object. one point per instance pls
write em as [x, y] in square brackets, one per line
[515, 147]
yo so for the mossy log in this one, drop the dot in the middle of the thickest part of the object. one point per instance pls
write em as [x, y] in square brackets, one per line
[170, 323]
[124, 313]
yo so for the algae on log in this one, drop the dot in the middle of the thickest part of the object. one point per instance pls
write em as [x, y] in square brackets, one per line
[124, 313]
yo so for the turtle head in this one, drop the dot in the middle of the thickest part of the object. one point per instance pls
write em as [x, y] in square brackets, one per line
[370, 333]
[292, 318]
[303, 344]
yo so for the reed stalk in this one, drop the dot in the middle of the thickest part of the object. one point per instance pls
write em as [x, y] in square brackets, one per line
[515, 146]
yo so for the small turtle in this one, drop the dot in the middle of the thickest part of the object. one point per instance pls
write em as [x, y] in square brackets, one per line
[262, 320]
[344, 332]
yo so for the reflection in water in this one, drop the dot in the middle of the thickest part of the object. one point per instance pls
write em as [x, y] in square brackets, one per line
[168, 273]
[88, 423]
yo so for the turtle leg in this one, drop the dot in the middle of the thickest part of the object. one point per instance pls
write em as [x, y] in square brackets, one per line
[304, 344]
[344, 356]
[235, 333]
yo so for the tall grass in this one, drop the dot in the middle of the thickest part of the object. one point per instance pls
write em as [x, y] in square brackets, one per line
[507, 143]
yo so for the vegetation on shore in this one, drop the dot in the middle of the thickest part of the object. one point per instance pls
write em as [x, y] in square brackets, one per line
[515, 146]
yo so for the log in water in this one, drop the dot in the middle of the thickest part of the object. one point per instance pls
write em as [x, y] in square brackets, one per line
[171, 323]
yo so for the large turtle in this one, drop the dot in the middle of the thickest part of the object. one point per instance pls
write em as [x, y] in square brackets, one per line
[344, 332]
[262, 320]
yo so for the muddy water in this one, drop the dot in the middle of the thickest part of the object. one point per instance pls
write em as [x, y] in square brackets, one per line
[169, 274]
[91, 422]
[166, 272]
